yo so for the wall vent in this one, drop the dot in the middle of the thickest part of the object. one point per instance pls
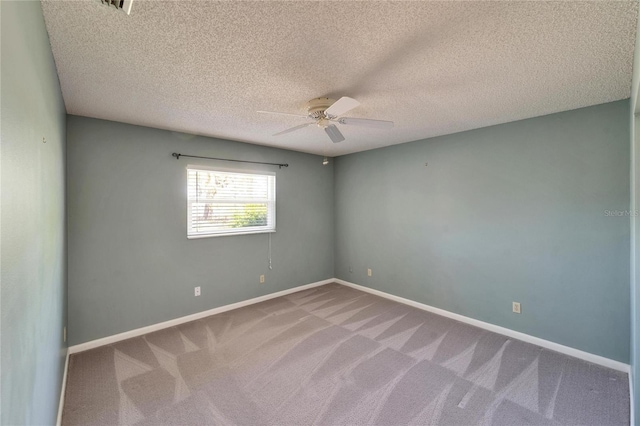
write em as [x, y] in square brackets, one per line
[123, 5]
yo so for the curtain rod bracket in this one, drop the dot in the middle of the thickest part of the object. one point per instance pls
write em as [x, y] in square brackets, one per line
[178, 155]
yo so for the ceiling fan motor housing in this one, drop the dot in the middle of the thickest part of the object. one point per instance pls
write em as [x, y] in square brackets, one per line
[316, 107]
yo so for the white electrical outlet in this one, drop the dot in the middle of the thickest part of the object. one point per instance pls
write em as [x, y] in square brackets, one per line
[350, 269]
[369, 272]
[197, 291]
[516, 307]
[64, 334]
[261, 279]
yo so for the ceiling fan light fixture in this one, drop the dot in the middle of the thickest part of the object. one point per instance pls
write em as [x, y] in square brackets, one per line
[323, 123]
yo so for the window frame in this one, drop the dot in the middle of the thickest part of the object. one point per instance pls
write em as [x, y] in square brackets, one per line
[271, 203]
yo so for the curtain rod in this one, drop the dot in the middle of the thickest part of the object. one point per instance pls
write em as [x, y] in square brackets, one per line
[178, 155]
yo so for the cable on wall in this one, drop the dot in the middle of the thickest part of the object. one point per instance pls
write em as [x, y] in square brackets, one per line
[178, 155]
[270, 267]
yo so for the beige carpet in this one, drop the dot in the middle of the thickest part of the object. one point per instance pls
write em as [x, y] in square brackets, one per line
[333, 356]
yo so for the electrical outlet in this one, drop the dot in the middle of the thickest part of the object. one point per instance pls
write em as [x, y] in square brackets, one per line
[197, 291]
[369, 272]
[64, 333]
[350, 269]
[516, 307]
[261, 279]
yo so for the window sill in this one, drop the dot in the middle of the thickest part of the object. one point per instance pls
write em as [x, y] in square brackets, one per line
[228, 234]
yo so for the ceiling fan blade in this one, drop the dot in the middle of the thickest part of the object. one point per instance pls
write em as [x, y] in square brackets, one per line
[334, 133]
[282, 113]
[341, 106]
[365, 122]
[293, 129]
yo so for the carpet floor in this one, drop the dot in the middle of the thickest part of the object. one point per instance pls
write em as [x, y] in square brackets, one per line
[333, 355]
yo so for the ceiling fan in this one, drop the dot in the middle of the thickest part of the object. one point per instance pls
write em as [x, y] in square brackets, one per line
[325, 112]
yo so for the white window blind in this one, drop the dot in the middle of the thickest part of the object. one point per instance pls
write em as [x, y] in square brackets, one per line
[228, 203]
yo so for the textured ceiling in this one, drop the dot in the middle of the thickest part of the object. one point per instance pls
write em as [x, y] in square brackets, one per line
[434, 68]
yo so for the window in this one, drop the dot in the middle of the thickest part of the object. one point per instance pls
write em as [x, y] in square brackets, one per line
[229, 203]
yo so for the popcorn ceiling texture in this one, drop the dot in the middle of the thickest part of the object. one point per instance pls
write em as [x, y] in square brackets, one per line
[205, 67]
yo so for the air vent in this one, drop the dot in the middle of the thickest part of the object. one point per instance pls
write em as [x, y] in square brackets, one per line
[123, 5]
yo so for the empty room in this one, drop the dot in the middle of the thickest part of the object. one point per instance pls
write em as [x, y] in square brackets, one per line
[319, 213]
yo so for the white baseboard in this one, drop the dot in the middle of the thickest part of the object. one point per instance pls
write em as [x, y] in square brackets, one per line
[631, 401]
[63, 389]
[177, 321]
[576, 353]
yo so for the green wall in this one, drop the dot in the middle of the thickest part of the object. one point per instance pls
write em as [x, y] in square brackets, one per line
[635, 264]
[635, 229]
[130, 262]
[33, 281]
[515, 212]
